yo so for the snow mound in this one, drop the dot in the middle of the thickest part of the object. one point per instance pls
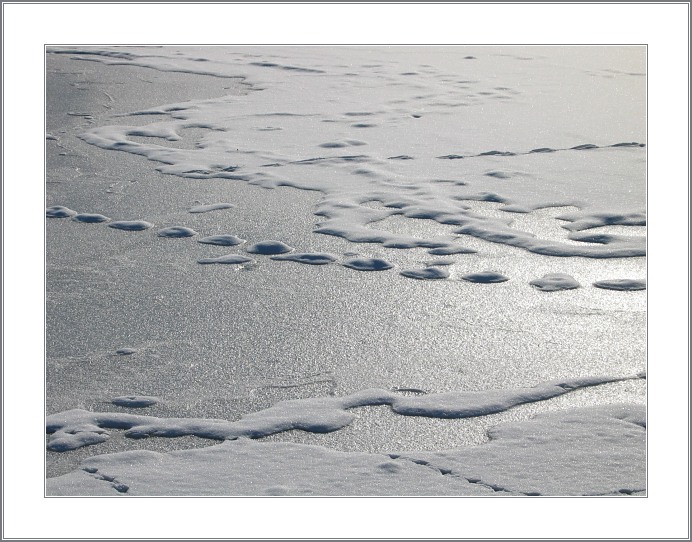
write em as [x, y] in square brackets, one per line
[428, 273]
[485, 277]
[58, 211]
[310, 258]
[229, 259]
[135, 401]
[90, 218]
[553, 282]
[125, 351]
[269, 247]
[210, 207]
[450, 249]
[176, 232]
[560, 453]
[221, 240]
[317, 414]
[130, 225]
[621, 284]
[367, 264]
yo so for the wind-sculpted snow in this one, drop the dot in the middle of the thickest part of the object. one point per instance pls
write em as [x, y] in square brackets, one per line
[71, 429]
[477, 130]
[559, 453]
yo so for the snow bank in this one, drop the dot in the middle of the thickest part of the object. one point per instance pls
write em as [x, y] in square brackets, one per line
[589, 451]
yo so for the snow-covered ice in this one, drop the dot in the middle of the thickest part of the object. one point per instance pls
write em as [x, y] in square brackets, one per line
[524, 166]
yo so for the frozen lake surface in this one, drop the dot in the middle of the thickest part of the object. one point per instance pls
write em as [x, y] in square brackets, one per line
[346, 271]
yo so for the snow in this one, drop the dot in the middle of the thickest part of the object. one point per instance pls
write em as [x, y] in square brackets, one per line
[485, 277]
[90, 218]
[230, 259]
[568, 316]
[554, 282]
[135, 401]
[621, 284]
[367, 264]
[269, 247]
[310, 258]
[539, 457]
[131, 225]
[473, 154]
[211, 207]
[176, 232]
[289, 149]
[58, 211]
[316, 414]
[221, 240]
[428, 273]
